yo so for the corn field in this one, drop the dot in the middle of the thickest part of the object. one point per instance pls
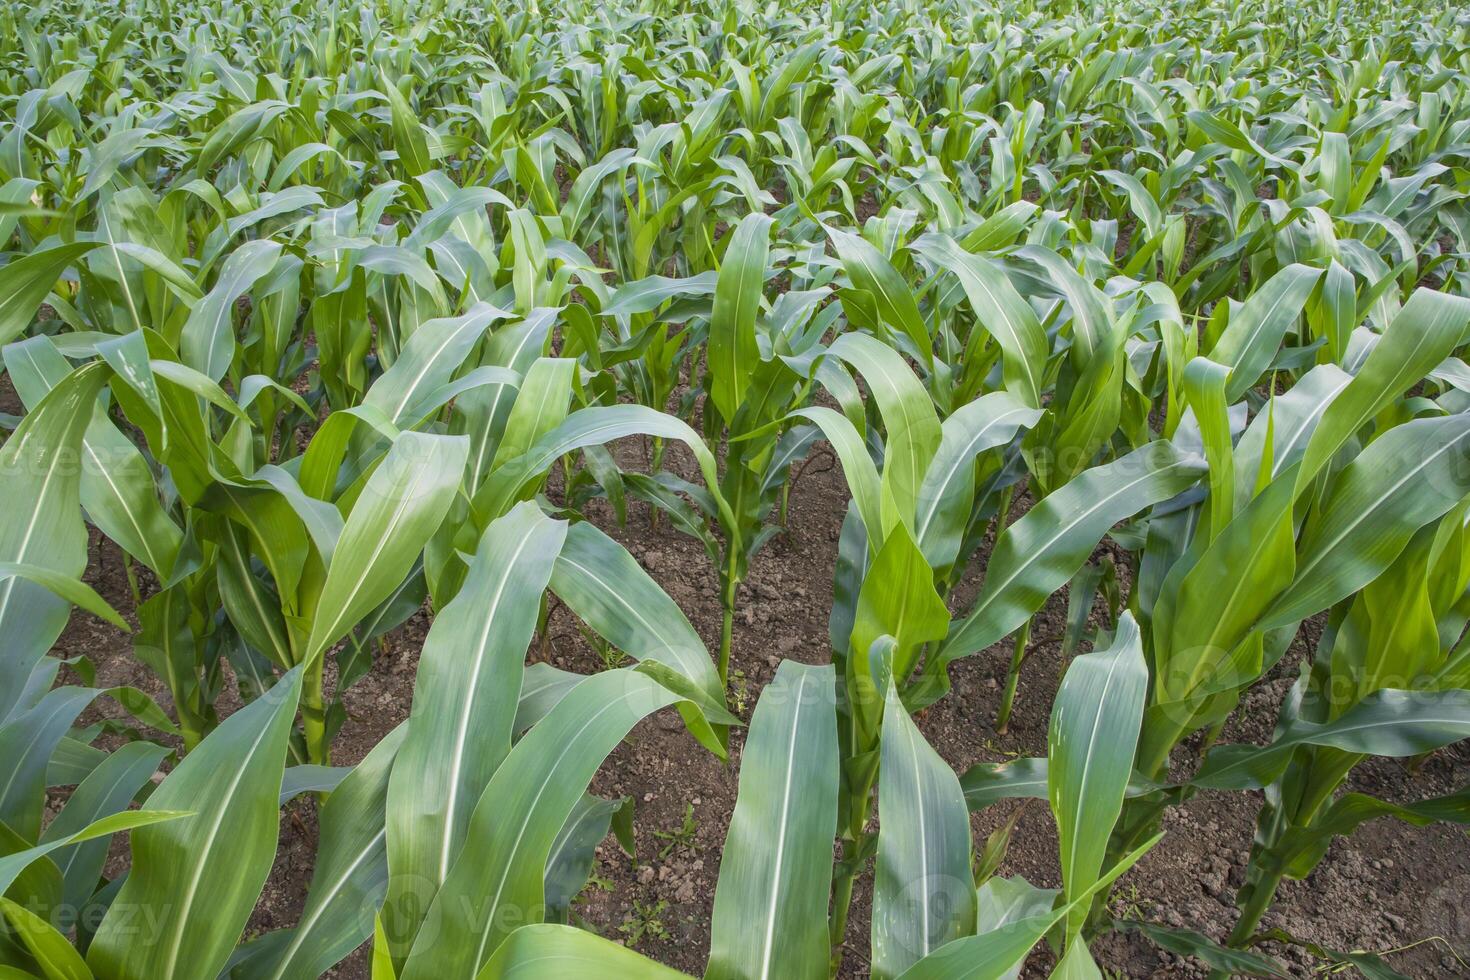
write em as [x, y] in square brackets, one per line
[371, 338]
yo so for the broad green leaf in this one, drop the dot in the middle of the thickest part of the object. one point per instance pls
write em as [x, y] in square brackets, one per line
[540, 405]
[1205, 391]
[1426, 329]
[605, 588]
[13, 864]
[1043, 549]
[1001, 311]
[207, 342]
[872, 273]
[203, 875]
[732, 350]
[770, 914]
[987, 782]
[536, 951]
[923, 890]
[1302, 847]
[514, 825]
[947, 493]
[44, 526]
[106, 790]
[25, 283]
[574, 855]
[1209, 607]
[898, 599]
[52, 951]
[408, 135]
[647, 295]
[1411, 475]
[117, 485]
[913, 430]
[73, 591]
[1388, 722]
[437, 349]
[1094, 731]
[400, 507]
[1238, 962]
[27, 740]
[1256, 328]
[464, 709]
[863, 481]
[1001, 901]
[350, 874]
[593, 427]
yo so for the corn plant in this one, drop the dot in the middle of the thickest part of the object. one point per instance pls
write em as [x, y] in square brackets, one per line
[315, 318]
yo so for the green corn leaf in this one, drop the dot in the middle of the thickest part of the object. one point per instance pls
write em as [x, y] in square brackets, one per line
[871, 273]
[1411, 475]
[1205, 392]
[77, 593]
[27, 740]
[1001, 951]
[898, 599]
[515, 823]
[601, 583]
[1001, 311]
[408, 135]
[574, 855]
[1094, 731]
[464, 708]
[987, 782]
[647, 295]
[1257, 326]
[202, 876]
[12, 865]
[437, 349]
[207, 342]
[540, 406]
[1237, 962]
[1388, 722]
[947, 493]
[117, 486]
[1002, 901]
[527, 954]
[913, 427]
[863, 481]
[732, 350]
[594, 427]
[51, 950]
[770, 916]
[1426, 329]
[44, 526]
[1302, 847]
[399, 508]
[350, 874]
[923, 890]
[106, 790]
[25, 283]
[1045, 547]
[1207, 608]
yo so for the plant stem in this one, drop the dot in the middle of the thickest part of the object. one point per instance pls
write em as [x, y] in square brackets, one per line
[1013, 676]
[314, 717]
[654, 466]
[731, 584]
[842, 900]
[1259, 895]
[727, 629]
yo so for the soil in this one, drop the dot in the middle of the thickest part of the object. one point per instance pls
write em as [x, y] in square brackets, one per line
[1388, 887]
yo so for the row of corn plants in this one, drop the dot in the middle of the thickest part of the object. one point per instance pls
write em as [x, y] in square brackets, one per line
[321, 316]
